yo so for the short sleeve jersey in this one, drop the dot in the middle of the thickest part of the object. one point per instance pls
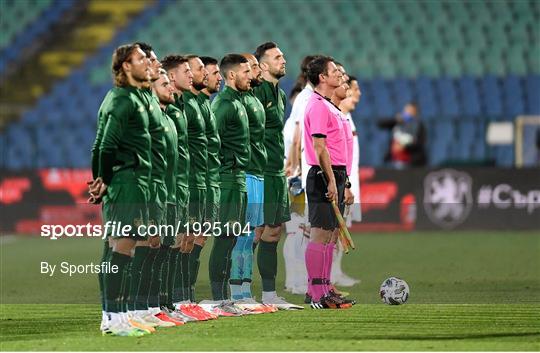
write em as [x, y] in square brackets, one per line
[323, 119]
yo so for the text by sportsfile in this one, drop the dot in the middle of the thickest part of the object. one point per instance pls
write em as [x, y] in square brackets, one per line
[117, 229]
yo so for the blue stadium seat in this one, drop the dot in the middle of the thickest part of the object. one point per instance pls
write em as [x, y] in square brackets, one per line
[383, 100]
[439, 152]
[532, 91]
[426, 98]
[402, 92]
[469, 96]
[491, 97]
[513, 97]
[365, 107]
[448, 97]
[445, 130]
[504, 156]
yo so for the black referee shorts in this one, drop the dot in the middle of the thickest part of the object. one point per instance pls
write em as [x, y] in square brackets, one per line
[321, 213]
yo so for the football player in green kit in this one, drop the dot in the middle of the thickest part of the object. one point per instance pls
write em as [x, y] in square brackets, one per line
[190, 177]
[242, 255]
[209, 86]
[148, 282]
[124, 176]
[233, 126]
[276, 197]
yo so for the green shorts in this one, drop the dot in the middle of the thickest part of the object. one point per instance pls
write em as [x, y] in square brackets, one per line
[197, 206]
[232, 215]
[276, 200]
[126, 203]
[212, 204]
[182, 203]
[157, 210]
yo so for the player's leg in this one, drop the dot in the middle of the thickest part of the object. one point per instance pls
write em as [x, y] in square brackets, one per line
[276, 212]
[126, 204]
[105, 257]
[220, 256]
[295, 270]
[210, 214]
[241, 262]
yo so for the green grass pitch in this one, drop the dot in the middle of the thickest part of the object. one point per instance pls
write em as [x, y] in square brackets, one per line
[469, 291]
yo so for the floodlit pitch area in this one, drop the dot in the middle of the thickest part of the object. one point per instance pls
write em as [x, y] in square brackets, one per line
[469, 291]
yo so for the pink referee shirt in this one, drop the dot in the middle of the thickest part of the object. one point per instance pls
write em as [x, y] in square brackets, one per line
[322, 117]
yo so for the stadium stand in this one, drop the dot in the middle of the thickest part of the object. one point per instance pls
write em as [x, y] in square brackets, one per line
[465, 63]
[22, 22]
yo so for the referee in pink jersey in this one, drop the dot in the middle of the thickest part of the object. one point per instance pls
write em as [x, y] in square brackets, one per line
[325, 144]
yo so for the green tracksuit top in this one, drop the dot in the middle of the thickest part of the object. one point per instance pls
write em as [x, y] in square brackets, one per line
[126, 141]
[157, 132]
[273, 100]
[257, 118]
[233, 127]
[214, 144]
[171, 139]
[197, 142]
[176, 113]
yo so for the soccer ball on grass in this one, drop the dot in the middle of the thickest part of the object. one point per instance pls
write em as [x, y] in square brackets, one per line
[394, 291]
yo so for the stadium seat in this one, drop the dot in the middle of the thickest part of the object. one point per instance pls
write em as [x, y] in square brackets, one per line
[532, 89]
[402, 91]
[491, 97]
[447, 97]
[469, 96]
[513, 98]
[384, 106]
[426, 98]
[452, 57]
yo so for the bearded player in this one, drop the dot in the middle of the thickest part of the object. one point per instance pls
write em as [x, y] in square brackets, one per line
[276, 197]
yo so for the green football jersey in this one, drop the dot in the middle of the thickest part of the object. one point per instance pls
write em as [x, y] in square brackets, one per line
[214, 144]
[171, 139]
[273, 99]
[197, 142]
[126, 141]
[157, 132]
[101, 122]
[233, 128]
[176, 113]
[257, 118]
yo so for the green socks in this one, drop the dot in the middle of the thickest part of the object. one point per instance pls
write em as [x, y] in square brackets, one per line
[267, 263]
[141, 301]
[194, 264]
[141, 252]
[219, 266]
[106, 257]
[115, 281]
